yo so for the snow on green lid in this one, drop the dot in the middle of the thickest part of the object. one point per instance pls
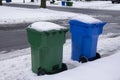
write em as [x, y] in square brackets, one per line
[45, 26]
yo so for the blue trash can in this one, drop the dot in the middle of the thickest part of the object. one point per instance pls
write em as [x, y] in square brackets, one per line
[8, 0]
[85, 35]
[63, 3]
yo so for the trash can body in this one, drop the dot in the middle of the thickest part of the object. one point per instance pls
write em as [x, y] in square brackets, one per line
[8, 0]
[69, 3]
[84, 38]
[63, 3]
[46, 49]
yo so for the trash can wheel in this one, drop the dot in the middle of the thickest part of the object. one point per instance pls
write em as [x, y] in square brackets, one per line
[56, 68]
[98, 55]
[64, 67]
[40, 71]
[83, 59]
[113, 2]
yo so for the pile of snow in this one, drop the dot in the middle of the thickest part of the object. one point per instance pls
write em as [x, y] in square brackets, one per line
[22, 15]
[86, 19]
[106, 68]
[45, 26]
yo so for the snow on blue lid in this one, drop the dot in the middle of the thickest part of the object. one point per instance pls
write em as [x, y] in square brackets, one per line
[86, 19]
[45, 26]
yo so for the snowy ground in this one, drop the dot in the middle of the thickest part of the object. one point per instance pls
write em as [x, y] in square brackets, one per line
[19, 67]
[105, 5]
[106, 68]
[19, 15]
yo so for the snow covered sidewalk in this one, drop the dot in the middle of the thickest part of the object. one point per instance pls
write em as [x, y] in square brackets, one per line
[106, 68]
[102, 5]
[23, 15]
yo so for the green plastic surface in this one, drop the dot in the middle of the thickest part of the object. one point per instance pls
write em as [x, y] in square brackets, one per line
[46, 49]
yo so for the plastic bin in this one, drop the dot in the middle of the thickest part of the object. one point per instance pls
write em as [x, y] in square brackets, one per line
[69, 3]
[63, 3]
[85, 31]
[46, 40]
[8, 0]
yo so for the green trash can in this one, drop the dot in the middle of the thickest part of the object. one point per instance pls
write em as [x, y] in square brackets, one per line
[69, 3]
[46, 40]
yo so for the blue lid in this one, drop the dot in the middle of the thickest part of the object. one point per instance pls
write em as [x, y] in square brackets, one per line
[85, 20]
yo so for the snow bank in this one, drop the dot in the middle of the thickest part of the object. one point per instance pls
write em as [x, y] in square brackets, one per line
[113, 41]
[101, 5]
[20, 15]
[24, 15]
[102, 69]
[106, 68]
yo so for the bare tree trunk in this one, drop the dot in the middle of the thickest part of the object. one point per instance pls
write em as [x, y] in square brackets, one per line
[32, 0]
[0, 2]
[23, 1]
[43, 4]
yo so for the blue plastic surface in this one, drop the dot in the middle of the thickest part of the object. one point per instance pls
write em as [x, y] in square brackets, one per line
[84, 38]
[8, 0]
[63, 3]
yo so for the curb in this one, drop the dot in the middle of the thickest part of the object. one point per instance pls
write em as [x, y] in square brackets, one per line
[14, 26]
